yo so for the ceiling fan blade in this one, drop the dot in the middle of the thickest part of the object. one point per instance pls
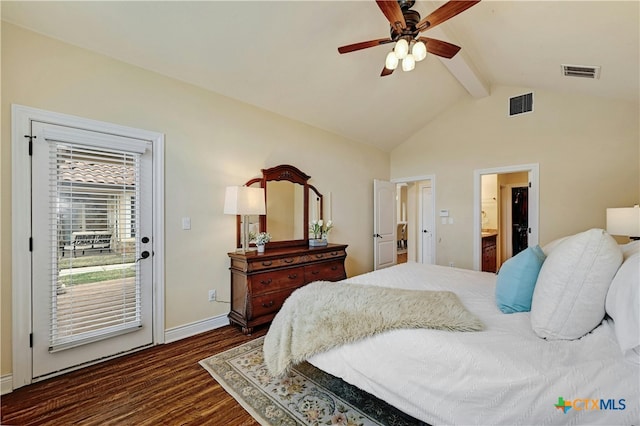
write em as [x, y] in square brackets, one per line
[439, 47]
[363, 45]
[393, 13]
[386, 71]
[444, 12]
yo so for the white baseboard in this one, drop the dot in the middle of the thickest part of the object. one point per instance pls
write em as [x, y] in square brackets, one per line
[6, 384]
[188, 330]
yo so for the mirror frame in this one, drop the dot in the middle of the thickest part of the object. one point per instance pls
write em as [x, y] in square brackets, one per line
[292, 174]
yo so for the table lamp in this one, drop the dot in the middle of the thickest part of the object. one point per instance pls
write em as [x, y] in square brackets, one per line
[244, 201]
[624, 221]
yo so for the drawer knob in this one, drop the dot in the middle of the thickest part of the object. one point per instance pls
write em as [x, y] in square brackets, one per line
[268, 305]
[333, 268]
[266, 282]
[267, 263]
[289, 260]
[293, 276]
[320, 256]
[334, 253]
[315, 272]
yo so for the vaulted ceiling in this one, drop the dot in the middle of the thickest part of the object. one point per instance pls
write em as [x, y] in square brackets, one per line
[282, 56]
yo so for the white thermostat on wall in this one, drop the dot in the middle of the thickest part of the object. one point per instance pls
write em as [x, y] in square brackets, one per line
[444, 213]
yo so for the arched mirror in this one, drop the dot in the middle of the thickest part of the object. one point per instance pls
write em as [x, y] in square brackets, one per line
[290, 206]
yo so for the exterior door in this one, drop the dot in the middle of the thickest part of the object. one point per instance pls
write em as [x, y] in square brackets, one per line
[92, 238]
[427, 224]
[384, 224]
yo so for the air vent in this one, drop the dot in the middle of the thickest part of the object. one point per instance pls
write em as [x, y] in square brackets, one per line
[584, 71]
[521, 104]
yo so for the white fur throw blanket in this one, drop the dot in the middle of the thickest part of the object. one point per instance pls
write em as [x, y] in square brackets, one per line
[322, 315]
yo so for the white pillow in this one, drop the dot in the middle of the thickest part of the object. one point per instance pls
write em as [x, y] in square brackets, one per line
[623, 305]
[569, 297]
[548, 248]
[630, 249]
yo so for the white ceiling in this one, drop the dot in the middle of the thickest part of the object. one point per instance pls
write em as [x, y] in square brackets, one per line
[282, 56]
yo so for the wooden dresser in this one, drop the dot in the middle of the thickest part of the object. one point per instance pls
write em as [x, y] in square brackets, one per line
[261, 282]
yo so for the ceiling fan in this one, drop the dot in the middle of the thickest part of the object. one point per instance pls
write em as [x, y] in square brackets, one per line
[406, 26]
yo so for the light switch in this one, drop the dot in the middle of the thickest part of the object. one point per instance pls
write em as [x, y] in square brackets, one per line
[450, 221]
[186, 223]
[444, 220]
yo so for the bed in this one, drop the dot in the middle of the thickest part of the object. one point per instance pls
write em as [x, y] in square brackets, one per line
[504, 374]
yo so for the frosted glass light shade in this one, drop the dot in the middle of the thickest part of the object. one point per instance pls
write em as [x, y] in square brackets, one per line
[419, 51]
[401, 49]
[244, 200]
[624, 221]
[408, 63]
[391, 62]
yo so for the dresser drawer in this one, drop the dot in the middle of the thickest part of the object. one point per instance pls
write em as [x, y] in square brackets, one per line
[327, 255]
[269, 303]
[274, 263]
[325, 271]
[277, 280]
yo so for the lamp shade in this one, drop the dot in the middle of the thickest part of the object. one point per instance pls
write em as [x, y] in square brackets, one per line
[244, 200]
[624, 221]
[408, 63]
[391, 62]
[419, 51]
[401, 49]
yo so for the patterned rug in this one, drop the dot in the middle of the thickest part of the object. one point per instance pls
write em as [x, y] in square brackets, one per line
[307, 396]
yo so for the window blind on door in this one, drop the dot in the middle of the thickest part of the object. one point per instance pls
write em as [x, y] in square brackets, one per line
[93, 229]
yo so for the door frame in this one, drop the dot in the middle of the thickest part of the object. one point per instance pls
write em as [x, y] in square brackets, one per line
[21, 117]
[418, 224]
[534, 204]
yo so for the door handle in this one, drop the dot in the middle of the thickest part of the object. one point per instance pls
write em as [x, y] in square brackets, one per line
[143, 255]
[377, 235]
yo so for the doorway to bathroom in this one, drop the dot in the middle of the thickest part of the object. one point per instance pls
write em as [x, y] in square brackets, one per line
[507, 214]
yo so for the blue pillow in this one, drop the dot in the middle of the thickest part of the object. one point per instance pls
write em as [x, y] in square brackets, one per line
[517, 279]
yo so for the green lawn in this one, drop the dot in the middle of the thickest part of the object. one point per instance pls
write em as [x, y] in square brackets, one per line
[96, 260]
[94, 277]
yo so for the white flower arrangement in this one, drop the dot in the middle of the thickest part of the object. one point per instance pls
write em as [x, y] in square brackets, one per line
[262, 238]
[319, 229]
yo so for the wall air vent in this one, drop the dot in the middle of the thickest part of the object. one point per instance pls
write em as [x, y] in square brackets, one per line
[521, 104]
[584, 71]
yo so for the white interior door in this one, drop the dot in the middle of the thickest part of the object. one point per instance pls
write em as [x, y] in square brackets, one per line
[428, 224]
[92, 247]
[384, 224]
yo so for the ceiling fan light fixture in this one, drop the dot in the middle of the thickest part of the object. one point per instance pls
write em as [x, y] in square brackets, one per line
[401, 49]
[408, 63]
[419, 51]
[391, 62]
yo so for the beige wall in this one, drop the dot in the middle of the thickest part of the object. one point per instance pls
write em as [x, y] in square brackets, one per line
[211, 142]
[587, 149]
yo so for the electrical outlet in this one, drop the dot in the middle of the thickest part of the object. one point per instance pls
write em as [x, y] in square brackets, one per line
[451, 264]
[212, 295]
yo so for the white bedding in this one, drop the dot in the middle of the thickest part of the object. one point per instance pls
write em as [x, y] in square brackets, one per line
[503, 375]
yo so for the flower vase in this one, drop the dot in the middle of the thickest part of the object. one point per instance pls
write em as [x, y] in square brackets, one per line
[317, 242]
[260, 248]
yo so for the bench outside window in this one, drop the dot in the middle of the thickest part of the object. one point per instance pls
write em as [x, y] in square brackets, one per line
[88, 241]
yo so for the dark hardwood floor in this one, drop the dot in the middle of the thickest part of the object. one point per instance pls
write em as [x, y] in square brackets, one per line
[163, 385]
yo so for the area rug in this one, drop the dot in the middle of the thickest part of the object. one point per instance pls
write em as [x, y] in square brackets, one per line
[306, 396]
